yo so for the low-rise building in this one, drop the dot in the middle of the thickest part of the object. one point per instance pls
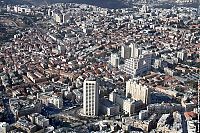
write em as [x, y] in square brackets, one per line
[51, 99]
[24, 107]
[108, 108]
[39, 120]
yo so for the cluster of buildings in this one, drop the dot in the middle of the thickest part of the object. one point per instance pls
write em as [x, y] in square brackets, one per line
[21, 9]
[84, 68]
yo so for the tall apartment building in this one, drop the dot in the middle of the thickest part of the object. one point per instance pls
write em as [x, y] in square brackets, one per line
[125, 51]
[114, 60]
[90, 97]
[137, 91]
[135, 51]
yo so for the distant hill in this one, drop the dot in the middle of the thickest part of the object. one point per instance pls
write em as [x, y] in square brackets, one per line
[101, 3]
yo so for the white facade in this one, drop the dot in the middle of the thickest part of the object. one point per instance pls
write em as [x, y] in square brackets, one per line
[125, 52]
[39, 119]
[90, 97]
[22, 9]
[106, 107]
[114, 60]
[135, 51]
[137, 91]
[143, 114]
[3, 127]
[58, 17]
[181, 55]
[57, 101]
[137, 66]
[129, 106]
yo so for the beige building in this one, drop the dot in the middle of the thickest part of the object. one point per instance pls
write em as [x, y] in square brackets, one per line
[131, 106]
[138, 91]
[51, 99]
[127, 105]
[108, 108]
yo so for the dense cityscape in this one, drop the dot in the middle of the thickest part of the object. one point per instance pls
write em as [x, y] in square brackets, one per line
[71, 67]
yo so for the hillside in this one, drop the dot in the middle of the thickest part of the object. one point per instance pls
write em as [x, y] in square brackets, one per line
[101, 3]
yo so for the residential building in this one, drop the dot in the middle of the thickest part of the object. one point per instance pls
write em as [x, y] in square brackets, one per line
[114, 60]
[137, 66]
[138, 91]
[108, 108]
[125, 52]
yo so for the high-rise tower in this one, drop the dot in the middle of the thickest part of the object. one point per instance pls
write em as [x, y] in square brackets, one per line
[90, 97]
[138, 91]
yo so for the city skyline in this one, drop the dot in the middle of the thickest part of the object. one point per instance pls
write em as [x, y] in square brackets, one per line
[102, 66]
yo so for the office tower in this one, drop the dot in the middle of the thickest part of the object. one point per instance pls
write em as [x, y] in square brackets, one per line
[137, 91]
[125, 52]
[114, 60]
[90, 97]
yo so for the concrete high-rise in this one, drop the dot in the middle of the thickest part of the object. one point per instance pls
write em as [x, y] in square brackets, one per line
[137, 91]
[125, 52]
[135, 51]
[114, 60]
[90, 97]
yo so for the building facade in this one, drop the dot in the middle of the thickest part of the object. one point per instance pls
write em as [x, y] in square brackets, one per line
[137, 66]
[125, 52]
[114, 60]
[137, 91]
[90, 97]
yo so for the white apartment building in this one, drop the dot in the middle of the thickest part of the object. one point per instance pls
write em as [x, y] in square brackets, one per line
[114, 60]
[56, 100]
[51, 99]
[125, 52]
[137, 66]
[137, 91]
[135, 51]
[127, 105]
[138, 63]
[90, 97]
